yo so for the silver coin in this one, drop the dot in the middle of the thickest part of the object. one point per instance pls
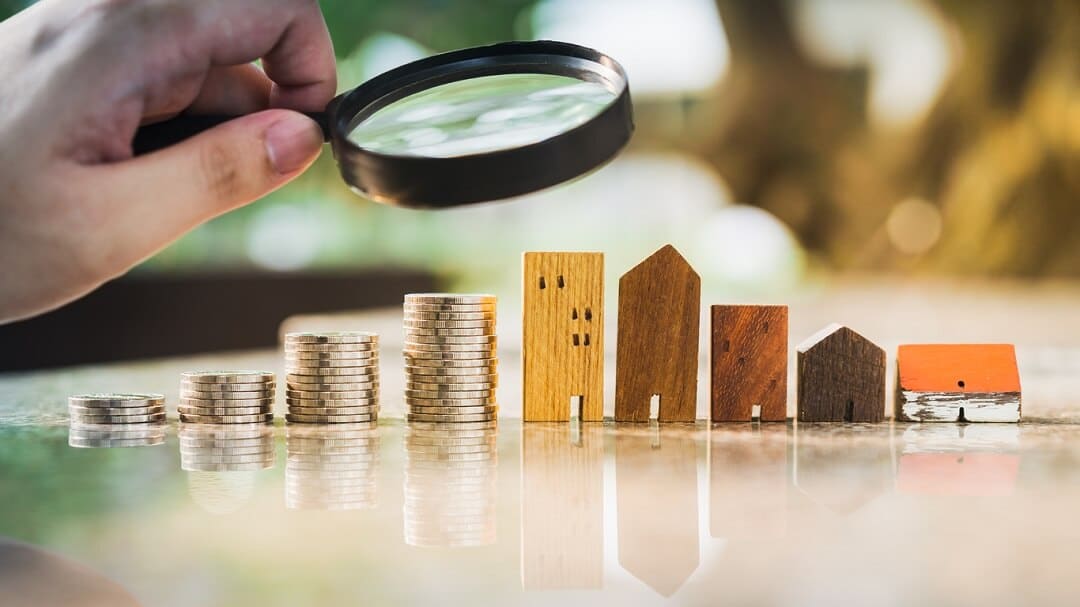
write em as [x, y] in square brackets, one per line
[357, 410]
[455, 395]
[411, 307]
[442, 388]
[116, 400]
[227, 419]
[332, 337]
[450, 298]
[449, 320]
[318, 373]
[454, 410]
[190, 410]
[450, 402]
[477, 378]
[433, 370]
[370, 387]
[265, 386]
[329, 419]
[228, 377]
[372, 348]
[486, 350]
[223, 403]
[331, 394]
[119, 419]
[458, 430]
[445, 340]
[427, 335]
[332, 402]
[291, 355]
[293, 365]
[411, 361]
[224, 395]
[412, 358]
[76, 410]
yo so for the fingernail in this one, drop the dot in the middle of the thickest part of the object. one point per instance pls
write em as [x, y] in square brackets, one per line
[292, 142]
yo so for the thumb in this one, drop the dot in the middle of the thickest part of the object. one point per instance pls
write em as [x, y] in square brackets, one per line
[151, 200]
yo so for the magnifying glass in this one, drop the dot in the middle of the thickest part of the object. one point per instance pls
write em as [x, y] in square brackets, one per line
[468, 126]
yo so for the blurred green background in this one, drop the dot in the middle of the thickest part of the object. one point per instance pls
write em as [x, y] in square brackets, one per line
[777, 140]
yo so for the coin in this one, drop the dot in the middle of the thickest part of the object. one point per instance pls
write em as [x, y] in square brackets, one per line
[444, 340]
[480, 378]
[449, 319]
[228, 377]
[76, 410]
[226, 403]
[331, 402]
[437, 387]
[329, 419]
[372, 348]
[293, 365]
[449, 402]
[357, 410]
[454, 410]
[331, 395]
[427, 334]
[192, 410]
[439, 356]
[435, 363]
[486, 349]
[319, 373]
[226, 419]
[360, 355]
[448, 371]
[409, 393]
[294, 386]
[450, 298]
[458, 430]
[332, 337]
[237, 395]
[120, 419]
[116, 400]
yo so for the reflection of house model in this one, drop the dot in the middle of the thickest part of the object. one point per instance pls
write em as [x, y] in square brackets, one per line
[957, 382]
[659, 315]
[841, 377]
[562, 348]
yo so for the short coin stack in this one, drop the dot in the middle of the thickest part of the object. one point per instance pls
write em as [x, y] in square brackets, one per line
[227, 397]
[109, 409]
[451, 369]
[332, 378]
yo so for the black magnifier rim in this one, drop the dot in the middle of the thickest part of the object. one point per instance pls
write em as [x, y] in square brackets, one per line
[428, 182]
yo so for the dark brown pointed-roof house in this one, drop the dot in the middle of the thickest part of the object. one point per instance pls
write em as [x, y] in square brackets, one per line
[657, 351]
[841, 377]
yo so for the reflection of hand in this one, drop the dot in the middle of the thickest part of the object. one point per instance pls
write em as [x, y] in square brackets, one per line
[79, 77]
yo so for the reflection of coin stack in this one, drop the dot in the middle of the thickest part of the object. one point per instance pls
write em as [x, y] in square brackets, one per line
[227, 397]
[101, 436]
[331, 467]
[226, 449]
[114, 409]
[451, 369]
[332, 377]
[450, 484]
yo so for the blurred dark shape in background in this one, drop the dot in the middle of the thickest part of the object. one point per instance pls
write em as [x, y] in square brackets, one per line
[779, 142]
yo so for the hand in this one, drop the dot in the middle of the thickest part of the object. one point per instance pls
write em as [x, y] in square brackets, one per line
[78, 77]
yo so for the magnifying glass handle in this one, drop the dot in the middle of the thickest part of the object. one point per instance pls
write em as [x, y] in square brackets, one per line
[160, 135]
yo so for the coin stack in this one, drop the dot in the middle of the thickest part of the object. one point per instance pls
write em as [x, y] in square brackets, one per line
[109, 409]
[331, 467]
[226, 449]
[332, 378]
[227, 397]
[451, 484]
[451, 369]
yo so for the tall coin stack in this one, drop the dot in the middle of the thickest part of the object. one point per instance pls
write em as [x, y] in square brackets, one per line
[332, 378]
[227, 397]
[110, 409]
[451, 485]
[451, 369]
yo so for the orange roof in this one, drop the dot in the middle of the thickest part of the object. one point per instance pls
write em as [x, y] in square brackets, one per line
[958, 368]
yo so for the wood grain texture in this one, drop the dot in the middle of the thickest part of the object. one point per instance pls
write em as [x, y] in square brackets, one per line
[562, 506]
[749, 362]
[562, 348]
[657, 349]
[957, 382]
[656, 496]
[841, 378]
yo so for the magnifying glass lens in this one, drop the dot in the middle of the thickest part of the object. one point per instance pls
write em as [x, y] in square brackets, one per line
[483, 114]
